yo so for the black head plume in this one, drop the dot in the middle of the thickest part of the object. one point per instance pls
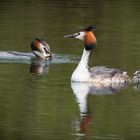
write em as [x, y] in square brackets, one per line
[89, 28]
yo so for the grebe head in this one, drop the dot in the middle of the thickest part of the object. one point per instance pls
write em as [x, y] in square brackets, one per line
[41, 49]
[87, 36]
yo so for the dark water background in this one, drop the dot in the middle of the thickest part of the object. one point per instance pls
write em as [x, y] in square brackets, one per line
[44, 107]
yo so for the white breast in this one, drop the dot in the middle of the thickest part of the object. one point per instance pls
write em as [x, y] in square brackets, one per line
[81, 74]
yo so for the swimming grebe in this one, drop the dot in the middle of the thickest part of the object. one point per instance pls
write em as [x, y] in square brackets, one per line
[98, 74]
[41, 49]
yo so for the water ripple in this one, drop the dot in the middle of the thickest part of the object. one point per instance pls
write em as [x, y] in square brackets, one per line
[27, 58]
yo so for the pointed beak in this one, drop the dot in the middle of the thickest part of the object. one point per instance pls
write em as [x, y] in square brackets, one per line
[51, 56]
[70, 36]
[49, 53]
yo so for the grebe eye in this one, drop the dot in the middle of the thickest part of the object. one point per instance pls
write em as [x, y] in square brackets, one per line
[78, 34]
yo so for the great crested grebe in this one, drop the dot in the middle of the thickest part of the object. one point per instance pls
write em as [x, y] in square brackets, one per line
[41, 49]
[98, 74]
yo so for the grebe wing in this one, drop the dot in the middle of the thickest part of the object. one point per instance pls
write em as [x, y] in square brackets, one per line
[105, 71]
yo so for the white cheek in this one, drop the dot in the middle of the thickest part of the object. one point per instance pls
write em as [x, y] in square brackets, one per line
[81, 36]
[42, 48]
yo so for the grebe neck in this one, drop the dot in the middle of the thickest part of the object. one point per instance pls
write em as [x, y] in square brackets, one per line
[85, 58]
[82, 72]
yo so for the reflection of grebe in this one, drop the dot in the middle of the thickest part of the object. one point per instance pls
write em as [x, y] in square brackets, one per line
[39, 67]
[41, 49]
[99, 74]
[81, 91]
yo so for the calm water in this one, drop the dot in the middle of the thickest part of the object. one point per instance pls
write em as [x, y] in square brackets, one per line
[45, 106]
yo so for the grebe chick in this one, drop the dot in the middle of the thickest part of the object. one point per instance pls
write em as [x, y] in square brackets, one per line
[41, 49]
[98, 74]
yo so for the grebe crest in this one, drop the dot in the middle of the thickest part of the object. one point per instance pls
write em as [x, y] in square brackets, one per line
[99, 74]
[41, 49]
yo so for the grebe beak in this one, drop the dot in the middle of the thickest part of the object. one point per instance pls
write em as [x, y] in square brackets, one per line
[49, 54]
[80, 34]
[71, 36]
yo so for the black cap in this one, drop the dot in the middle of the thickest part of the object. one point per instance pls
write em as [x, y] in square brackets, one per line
[89, 28]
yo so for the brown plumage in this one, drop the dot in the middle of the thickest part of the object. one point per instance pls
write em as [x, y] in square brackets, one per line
[41, 49]
[35, 45]
[89, 38]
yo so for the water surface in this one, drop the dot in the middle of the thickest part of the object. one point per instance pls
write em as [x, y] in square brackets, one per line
[38, 101]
